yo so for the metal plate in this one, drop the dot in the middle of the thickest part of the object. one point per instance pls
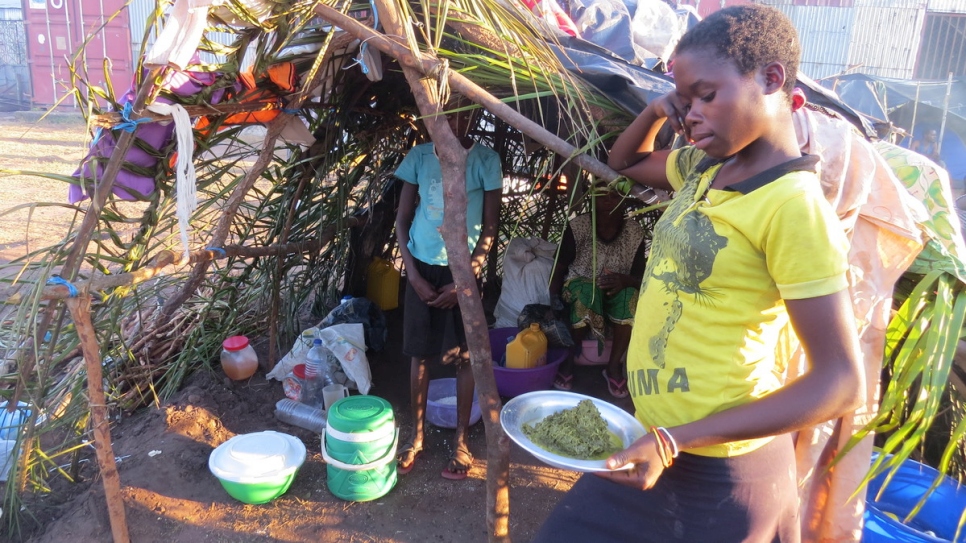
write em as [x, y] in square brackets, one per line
[533, 407]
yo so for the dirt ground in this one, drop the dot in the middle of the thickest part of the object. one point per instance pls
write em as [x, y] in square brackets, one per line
[169, 493]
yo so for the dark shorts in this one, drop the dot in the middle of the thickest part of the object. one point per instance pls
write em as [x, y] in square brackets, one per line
[429, 331]
[749, 498]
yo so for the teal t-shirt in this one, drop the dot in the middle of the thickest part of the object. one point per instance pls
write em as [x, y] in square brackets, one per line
[421, 168]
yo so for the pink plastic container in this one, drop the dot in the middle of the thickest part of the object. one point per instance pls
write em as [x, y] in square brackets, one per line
[588, 355]
[513, 382]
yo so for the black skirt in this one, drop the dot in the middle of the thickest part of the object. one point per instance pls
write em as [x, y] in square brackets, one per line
[749, 498]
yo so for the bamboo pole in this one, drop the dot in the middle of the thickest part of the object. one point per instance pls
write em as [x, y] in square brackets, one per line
[452, 158]
[80, 310]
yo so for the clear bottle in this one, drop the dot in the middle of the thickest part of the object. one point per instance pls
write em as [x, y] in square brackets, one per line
[300, 414]
[238, 359]
[317, 374]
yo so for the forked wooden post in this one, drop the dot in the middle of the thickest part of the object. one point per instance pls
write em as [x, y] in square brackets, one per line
[80, 310]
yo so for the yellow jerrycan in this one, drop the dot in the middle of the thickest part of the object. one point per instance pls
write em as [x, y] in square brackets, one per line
[528, 349]
[383, 284]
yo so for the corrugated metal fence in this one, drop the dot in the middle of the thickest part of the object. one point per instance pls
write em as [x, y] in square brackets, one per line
[877, 37]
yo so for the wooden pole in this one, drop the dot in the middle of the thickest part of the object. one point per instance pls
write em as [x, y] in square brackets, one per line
[170, 258]
[452, 158]
[86, 230]
[80, 310]
[74, 259]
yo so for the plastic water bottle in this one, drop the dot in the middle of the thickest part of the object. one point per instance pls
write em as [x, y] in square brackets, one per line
[317, 373]
[301, 415]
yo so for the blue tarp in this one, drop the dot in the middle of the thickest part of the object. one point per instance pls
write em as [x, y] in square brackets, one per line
[894, 100]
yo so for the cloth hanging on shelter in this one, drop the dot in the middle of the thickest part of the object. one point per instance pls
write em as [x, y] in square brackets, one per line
[136, 178]
[930, 184]
[182, 32]
[884, 225]
[186, 23]
[265, 92]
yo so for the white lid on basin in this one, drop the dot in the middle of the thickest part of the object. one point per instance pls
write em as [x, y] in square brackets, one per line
[256, 457]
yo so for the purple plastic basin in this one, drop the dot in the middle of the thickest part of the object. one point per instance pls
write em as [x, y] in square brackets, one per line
[513, 382]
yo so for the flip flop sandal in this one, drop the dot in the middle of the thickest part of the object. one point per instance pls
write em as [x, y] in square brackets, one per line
[407, 450]
[617, 389]
[454, 461]
[563, 382]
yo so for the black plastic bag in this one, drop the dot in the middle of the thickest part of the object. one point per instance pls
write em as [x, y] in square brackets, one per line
[551, 322]
[360, 311]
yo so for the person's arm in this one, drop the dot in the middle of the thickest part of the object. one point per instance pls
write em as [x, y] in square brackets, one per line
[404, 220]
[612, 283]
[633, 154]
[566, 254]
[446, 295]
[833, 386]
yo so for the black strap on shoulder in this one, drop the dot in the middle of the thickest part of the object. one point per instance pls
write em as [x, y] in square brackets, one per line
[805, 163]
[706, 163]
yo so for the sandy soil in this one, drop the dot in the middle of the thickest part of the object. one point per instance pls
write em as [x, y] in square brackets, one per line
[169, 493]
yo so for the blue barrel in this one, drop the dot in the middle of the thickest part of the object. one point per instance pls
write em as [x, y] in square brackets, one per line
[936, 522]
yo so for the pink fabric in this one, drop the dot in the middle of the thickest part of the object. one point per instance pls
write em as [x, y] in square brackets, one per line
[129, 184]
[883, 223]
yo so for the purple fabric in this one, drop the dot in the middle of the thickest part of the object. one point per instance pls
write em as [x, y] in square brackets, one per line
[128, 184]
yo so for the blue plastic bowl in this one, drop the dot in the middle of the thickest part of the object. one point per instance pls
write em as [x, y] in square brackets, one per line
[444, 414]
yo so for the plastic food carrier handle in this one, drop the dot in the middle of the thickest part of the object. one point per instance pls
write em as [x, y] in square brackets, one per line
[361, 467]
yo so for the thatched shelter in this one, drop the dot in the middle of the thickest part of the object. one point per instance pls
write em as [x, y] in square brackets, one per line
[287, 222]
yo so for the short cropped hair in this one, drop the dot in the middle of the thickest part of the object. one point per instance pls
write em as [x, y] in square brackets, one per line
[751, 36]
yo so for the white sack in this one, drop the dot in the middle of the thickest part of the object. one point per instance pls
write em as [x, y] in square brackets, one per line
[527, 266]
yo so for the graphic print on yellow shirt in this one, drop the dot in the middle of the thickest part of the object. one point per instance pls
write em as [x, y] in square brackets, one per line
[711, 304]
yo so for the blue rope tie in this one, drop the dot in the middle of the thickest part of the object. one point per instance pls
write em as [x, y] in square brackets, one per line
[58, 280]
[290, 111]
[221, 252]
[128, 124]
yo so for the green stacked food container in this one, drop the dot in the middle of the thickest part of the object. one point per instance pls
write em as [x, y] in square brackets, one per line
[359, 447]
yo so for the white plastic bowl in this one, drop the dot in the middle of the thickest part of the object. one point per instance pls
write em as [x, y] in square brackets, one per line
[257, 467]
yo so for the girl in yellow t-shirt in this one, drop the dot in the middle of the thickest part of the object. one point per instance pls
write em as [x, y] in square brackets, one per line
[748, 243]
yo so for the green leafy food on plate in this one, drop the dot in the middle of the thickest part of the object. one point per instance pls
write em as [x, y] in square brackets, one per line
[579, 432]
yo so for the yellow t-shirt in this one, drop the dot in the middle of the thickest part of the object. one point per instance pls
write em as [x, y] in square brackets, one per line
[711, 304]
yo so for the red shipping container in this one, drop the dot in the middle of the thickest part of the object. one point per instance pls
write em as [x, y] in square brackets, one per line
[90, 30]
